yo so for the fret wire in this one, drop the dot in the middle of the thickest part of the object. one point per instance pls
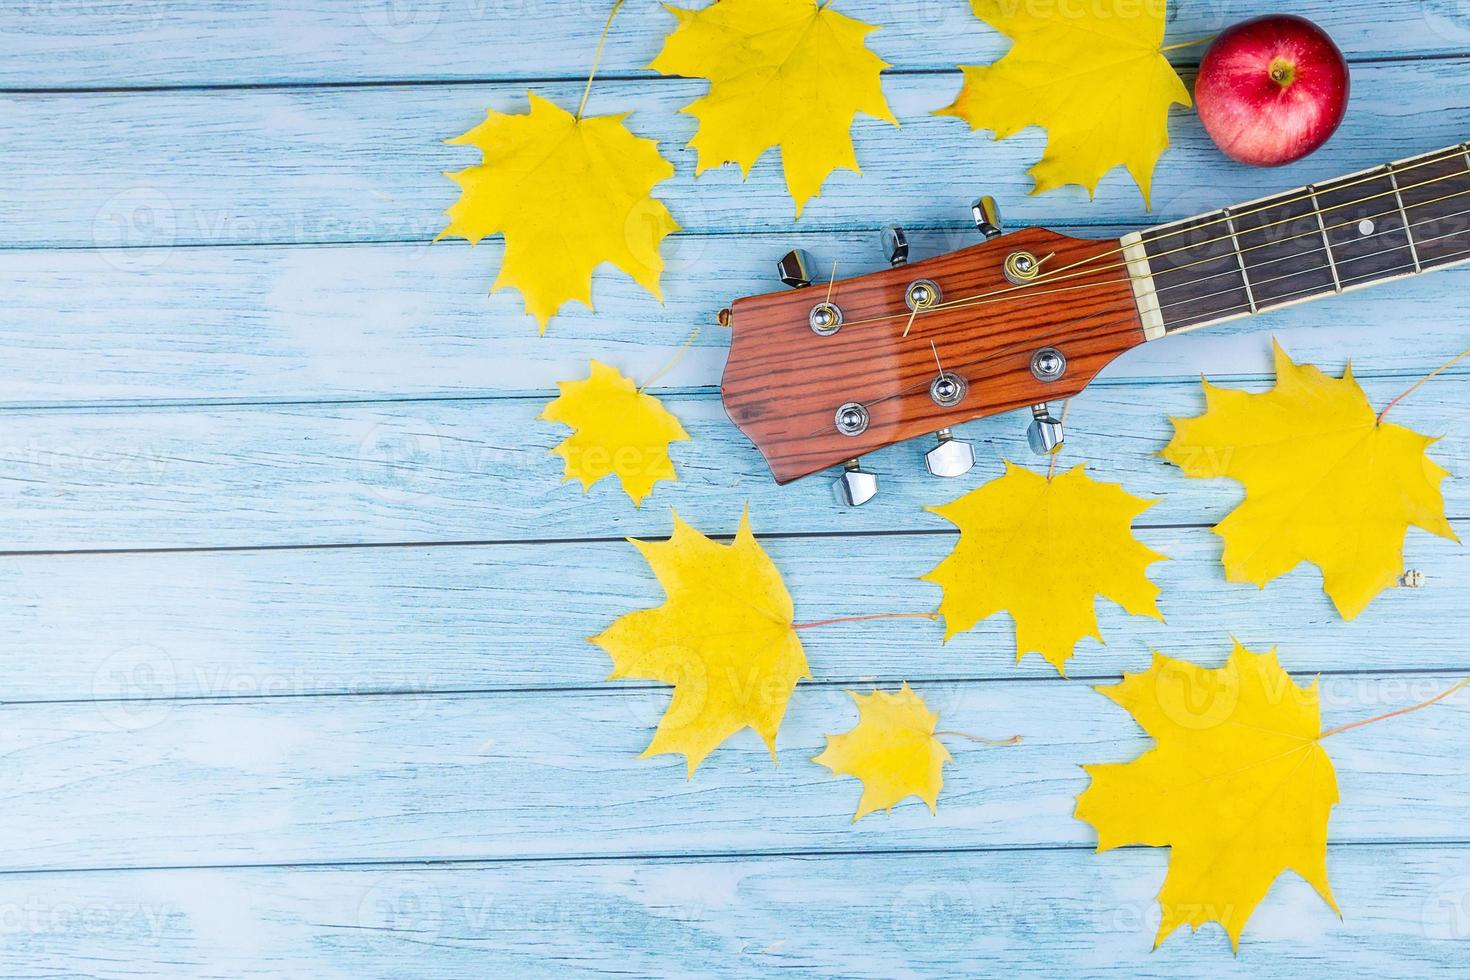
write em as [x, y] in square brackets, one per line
[1216, 315]
[1415, 164]
[1304, 272]
[1333, 227]
[1434, 156]
[983, 298]
[1056, 276]
[1333, 207]
[986, 299]
[1245, 280]
[1327, 242]
[1397, 270]
[1398, 195]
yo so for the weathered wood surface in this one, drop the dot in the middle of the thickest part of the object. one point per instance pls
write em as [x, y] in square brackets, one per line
[320, 703]
[536, 775]
[218, 42]
[324, 165]
[446, 471]
[1044, 912]
[252, 324]
[509, 617]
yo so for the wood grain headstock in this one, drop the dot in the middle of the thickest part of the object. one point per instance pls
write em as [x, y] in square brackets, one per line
[787, 377]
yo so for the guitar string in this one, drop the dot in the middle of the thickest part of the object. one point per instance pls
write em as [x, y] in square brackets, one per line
[1254, 283]
[1235, 270]
[965, 302]
[1056, 275]
[1358, 281]
[1315, 212]
[986, 299]
[1227, 311]
[983, 299]
[1378, 173]
[1119, 282]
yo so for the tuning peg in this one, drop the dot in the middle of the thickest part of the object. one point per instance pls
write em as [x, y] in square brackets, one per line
[1045, 432]
[855, 486]
[987, 217]
[895, 245]
[951, 457]
[795, 268]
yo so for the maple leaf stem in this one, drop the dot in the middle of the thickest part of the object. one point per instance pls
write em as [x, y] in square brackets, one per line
[1415, 386]
[863, 619]
[1188, 44]
[597, 59]
[1394, 714]
[1013, 740]
[678, 356]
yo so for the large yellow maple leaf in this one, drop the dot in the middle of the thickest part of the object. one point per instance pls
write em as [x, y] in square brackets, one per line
[787, 73]
[1237, 785]
[1325, 481]
[723, 639]
[892, 749]
[568, 194]
[616, 429]
[1091, 75]
[1043, 549]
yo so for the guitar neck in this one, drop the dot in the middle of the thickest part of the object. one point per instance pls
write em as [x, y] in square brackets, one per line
[1392, 221]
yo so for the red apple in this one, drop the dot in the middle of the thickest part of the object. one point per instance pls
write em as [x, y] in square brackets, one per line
[1271, 90]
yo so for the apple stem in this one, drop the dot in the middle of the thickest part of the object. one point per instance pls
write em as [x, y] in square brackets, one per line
[1415, 386]
[863, 619]
[1188, 44]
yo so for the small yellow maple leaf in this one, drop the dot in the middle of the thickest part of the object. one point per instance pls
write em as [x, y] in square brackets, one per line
[892, 750]
[568, 194]
[723, 639]
[615, 429]
[1325, 481]
[1237, 785]
[1043, 550]
[787, 73]
[1092, 76]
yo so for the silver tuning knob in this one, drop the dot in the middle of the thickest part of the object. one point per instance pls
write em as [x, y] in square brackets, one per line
[795, 268]
[895, 245]
[855, 486]
[951, 457]
[1045, 432]
[987, 217]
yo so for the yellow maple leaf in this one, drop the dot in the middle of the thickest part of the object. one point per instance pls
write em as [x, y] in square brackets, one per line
[568, 194]
[1042, 549]
[1237, 785]
[892, 750]
[787, 73]
[615, 429]
[1092, 76]
[724, 639]
[1325, 481]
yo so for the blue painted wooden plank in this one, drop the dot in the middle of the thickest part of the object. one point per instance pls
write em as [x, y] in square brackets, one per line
[557, 775]
[325, 165]
[138, 43]
[1044, 913]
[391, 321]
[440, 471]
[360, 621]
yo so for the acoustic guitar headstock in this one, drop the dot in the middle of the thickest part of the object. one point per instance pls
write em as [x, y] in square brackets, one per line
[824, 372]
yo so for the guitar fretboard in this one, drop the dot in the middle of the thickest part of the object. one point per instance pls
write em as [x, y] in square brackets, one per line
[1396, 220]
